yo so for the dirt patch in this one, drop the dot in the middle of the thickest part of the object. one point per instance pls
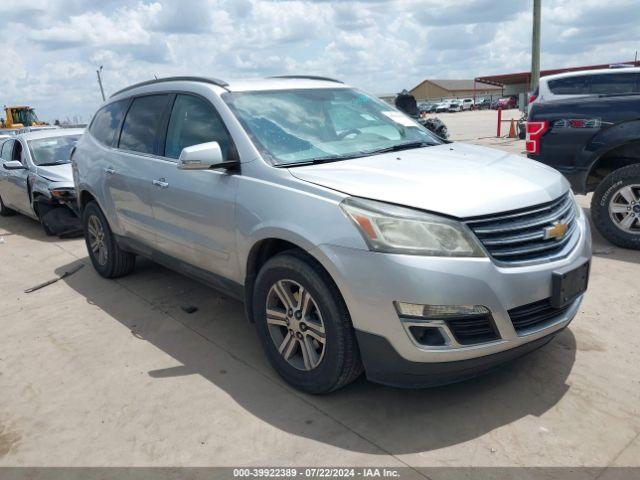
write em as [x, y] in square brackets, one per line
[9, 440]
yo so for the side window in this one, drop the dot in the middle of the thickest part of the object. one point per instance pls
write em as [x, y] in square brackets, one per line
[17, 152]
[107, 121]
[615, 83]
[7, 150]
[194, 121]
[141, 125]
[570, 86]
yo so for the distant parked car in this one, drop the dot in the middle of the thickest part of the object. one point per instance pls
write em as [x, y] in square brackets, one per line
[506, 103]
[36, 179]
[467, 104]
[483, 103]
[455, 105]
[586, 83]
[442, 107]
[427, 107]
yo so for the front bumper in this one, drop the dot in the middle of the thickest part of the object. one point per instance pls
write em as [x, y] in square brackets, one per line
[370, 282]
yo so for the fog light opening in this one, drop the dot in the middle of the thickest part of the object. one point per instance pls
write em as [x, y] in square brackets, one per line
[428, 336]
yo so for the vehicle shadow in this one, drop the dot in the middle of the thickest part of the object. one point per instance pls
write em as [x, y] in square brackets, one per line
[29, 228]
[604, 248]
[392, 420]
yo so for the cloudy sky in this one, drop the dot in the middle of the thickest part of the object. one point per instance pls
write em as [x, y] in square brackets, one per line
[50, 49]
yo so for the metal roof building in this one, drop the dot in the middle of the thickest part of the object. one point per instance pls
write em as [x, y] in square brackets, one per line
[453, 88]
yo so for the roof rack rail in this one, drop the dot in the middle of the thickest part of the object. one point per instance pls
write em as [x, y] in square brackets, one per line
[213, 81]
[308, 77]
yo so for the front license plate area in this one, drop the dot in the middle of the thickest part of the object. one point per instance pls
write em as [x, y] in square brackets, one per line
[568, 284]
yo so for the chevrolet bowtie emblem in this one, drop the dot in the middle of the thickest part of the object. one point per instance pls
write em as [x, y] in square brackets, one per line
[557, 231]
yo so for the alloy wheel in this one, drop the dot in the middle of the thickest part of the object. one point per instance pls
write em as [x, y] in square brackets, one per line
[295, 324]
[97, 240]
[624, 209]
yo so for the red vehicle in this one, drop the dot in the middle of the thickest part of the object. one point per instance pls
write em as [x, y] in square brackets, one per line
[505, 103]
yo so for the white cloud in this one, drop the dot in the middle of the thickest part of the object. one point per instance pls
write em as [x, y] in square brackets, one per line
[53, 48]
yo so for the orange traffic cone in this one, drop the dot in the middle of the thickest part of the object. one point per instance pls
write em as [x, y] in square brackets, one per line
[512, 129]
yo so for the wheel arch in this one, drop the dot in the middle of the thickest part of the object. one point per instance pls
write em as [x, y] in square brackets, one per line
[619, 156]
[266, 248]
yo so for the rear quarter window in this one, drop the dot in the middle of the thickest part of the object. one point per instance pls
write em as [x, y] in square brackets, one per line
[106, 122]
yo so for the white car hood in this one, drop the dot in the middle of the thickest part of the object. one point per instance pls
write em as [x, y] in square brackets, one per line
[56, 173]
[454, 179]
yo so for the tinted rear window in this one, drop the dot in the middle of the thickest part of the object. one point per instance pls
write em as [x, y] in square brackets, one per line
[615, 83]
[570, 86]
[141, 125]
[605, 83]
[106, 122]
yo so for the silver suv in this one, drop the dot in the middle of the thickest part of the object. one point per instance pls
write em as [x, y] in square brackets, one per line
[356, 238]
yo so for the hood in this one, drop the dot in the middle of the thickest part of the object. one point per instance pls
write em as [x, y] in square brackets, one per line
[56, 173]
[454, 179]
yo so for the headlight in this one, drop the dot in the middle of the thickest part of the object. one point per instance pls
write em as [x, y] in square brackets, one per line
[392, 229]
[63, 193]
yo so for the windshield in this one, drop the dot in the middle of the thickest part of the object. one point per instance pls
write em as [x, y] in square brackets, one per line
[52, 150]
[302, 126]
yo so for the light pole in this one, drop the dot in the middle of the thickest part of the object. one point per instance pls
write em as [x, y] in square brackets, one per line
[535, 45]
[100, 83]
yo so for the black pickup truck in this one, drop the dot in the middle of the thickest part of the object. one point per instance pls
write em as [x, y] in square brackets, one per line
[595, 143]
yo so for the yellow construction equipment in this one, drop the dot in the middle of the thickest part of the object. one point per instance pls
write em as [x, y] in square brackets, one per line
[19, 117]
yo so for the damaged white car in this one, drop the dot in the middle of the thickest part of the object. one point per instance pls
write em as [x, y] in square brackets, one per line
[36, 179]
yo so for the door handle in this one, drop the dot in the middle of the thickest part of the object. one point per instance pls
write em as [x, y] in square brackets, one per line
[109, 171]
[161, 183]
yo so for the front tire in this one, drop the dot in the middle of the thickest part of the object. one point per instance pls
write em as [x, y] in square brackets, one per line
[615, 207]
[304, 326]
[109, 260]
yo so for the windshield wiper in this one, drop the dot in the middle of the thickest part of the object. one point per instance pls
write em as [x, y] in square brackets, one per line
[319, 160]
[52, 164]
[394, 148]
[402, 146]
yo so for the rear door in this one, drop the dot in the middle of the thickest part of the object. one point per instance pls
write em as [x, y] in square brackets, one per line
[195, 210]
[132, 166]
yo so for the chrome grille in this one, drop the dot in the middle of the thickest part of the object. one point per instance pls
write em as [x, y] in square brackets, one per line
[519, 236]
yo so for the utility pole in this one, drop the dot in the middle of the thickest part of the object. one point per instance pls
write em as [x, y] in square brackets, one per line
[100, 83]
[535, 45]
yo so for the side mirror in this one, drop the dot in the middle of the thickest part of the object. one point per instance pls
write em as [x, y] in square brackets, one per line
[13, 165]
[204, 156]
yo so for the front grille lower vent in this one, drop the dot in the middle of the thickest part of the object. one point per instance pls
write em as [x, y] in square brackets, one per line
[472, 330]
[535, 315]
[523, 235]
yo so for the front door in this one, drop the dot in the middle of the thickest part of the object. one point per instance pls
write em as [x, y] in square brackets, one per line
[13, 183]
[195, 210]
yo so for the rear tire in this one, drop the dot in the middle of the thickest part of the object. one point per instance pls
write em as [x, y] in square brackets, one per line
[109, 260]
[5, 211]
[323, 366]
[615, 207]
